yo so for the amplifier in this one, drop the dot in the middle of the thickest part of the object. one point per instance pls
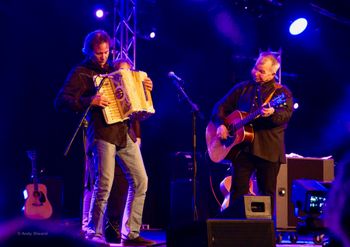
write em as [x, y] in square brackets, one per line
[298, 168]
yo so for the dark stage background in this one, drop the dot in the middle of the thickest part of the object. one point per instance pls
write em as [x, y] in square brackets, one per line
[210, 44]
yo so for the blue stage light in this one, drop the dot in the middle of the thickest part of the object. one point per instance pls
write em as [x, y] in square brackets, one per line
[298, 26]
[152, 35]
[99, 13]
[296, 105]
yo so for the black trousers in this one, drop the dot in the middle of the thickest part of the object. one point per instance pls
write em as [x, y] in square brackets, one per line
[244, 165]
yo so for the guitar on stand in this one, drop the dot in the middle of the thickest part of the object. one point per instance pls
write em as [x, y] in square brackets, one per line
[37, 206]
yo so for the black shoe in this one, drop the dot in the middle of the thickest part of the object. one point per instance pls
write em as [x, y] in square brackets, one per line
[112, 234]
[139, 241]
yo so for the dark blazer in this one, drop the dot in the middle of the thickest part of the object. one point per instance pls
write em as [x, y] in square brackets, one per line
[269, 131]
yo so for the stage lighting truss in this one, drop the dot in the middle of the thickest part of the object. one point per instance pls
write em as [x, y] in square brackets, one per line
[124, 36]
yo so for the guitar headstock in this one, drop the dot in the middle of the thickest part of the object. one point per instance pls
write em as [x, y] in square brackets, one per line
[32, 155]
[279, 101]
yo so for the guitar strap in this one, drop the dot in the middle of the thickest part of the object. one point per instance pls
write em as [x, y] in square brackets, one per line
[270, 96]
[268, 99]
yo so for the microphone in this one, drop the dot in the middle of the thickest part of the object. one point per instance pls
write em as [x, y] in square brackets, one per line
[172, 75]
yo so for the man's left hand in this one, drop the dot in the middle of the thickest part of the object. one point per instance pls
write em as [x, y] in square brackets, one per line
[267, 111]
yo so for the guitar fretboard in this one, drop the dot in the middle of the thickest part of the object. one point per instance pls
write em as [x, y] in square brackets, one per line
[279, 100]
[32, 156]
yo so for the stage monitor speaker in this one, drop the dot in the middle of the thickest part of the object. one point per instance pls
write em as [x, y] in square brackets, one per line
[257, 207]
[231, 232]
[297, 168]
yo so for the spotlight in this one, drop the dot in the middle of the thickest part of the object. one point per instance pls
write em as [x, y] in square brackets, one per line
[298, 26]
[152, 35]
[99, 13]
[296, 105]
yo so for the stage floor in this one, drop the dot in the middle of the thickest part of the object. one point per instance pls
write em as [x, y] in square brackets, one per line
[66, 232]
[159, 236]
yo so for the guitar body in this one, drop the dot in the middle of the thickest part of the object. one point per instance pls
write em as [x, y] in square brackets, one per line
[37, 206]
[218, 149]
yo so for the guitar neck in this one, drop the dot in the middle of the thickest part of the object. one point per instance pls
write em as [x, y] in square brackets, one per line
[248, 119]
[280, 100]
[32, 156]
[35, 176]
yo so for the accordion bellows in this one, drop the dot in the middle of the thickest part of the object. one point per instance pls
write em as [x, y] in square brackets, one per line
[127, 95]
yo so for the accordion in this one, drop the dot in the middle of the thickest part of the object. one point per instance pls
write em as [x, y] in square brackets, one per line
[127, 95]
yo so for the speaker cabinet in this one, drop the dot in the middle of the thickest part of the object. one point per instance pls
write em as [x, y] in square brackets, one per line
[231, 232]
[181, 202]
[297, 168]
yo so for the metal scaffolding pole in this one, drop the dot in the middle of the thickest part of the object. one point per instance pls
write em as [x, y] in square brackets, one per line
[124, 33]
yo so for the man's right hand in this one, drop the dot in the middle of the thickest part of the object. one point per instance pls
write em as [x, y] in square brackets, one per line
[222, 132]
[100, 100]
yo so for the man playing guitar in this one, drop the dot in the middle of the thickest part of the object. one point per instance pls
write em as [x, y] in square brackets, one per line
[248, 126]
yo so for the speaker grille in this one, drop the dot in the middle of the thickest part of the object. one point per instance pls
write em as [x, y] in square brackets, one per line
[240, 233]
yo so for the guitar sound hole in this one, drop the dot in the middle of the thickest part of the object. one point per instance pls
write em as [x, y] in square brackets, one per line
[42, 198]
[36, 194]
[39, 197]
[227, 142]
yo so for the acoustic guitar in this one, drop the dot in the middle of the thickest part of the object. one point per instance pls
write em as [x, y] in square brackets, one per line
[36, 206]
[239, 131]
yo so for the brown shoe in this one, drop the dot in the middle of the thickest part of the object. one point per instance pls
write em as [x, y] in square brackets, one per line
[139, 241]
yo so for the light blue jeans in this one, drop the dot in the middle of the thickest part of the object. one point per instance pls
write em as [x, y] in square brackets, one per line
[134, 169]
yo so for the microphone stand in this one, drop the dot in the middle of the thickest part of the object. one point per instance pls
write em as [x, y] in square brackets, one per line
[195, 112]
[82, 120]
